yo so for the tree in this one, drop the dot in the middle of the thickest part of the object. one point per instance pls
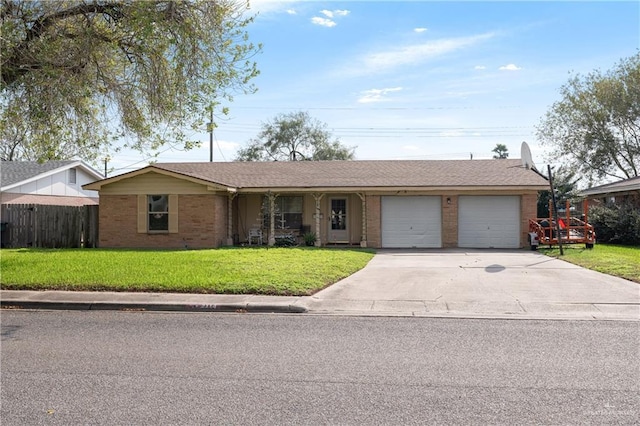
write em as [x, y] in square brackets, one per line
[595, 127]
[501, 151]
[294, 137]
[565, 184]
[80, 77]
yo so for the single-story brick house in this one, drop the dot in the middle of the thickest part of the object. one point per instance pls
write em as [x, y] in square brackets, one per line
[394, 204]
[623, 191]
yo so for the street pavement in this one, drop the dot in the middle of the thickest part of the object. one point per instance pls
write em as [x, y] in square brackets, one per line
[462, 283]
[153, 368]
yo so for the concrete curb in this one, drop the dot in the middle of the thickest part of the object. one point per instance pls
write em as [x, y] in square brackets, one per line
[474, 316]
[312, 305]
[157, 307]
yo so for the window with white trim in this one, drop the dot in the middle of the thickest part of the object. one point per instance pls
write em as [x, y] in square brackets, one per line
[287, 212]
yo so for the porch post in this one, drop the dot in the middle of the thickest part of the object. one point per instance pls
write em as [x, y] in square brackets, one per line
[318, 197]
[272, 219]
[363, 240]
[230, 196]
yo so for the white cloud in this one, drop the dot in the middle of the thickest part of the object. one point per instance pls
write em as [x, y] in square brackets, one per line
[269, 6]
[510, 67]
[323, 22]
[292, 12]
[225, 145]
[419, 30]
[333, 13]
[411, 148]
[407, 55]
[330, 14]
[479, 67]
[376, 95]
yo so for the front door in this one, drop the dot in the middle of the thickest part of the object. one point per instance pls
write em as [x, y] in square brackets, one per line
[338, 228]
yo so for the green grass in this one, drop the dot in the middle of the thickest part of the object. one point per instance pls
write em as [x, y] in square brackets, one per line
[620, 261]
[276, 271]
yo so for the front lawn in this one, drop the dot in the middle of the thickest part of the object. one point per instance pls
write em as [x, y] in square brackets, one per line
[621, 261]
[276, 271]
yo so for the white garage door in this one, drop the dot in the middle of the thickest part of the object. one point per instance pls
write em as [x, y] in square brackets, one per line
[489, 221]
[409, 222]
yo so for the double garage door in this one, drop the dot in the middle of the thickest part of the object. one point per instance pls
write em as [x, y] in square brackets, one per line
[483, 221]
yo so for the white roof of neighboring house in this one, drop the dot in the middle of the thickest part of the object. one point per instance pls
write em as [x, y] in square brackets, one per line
[16, 173]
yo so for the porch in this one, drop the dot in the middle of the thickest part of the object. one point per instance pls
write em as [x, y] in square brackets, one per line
[286, 218]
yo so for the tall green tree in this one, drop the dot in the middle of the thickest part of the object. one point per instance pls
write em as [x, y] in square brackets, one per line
[565, 184]
[595, 127]
[501, 151]
[81, 77]
[294, 137]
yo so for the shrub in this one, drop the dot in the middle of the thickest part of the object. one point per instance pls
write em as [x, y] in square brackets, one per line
[616, 224]
[285, 241]
[310, 239]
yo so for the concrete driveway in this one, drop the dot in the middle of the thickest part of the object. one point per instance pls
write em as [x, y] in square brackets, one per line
[479, 283]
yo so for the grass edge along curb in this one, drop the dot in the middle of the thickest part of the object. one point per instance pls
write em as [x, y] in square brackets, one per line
[274, 271]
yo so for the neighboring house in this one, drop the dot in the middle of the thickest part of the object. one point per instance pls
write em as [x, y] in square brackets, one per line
[51, 183]
[395, 204]
[627, 190]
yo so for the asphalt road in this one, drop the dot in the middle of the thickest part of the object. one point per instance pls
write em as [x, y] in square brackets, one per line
[103, 367]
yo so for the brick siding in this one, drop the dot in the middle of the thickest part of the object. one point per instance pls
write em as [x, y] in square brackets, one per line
[528, 210]
[450, 221]
[201, 223]
[374, 224]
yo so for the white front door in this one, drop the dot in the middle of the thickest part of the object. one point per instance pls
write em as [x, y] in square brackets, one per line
[338, 221]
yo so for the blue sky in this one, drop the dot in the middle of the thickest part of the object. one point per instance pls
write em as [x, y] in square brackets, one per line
[418, 79]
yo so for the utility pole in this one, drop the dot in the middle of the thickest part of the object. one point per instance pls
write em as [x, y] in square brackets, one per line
[210, 128]
[555, 210]
[106, 162]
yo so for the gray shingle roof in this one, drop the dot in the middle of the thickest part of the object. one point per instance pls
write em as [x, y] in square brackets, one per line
[17, 171]
[632, 184]
[361, 174]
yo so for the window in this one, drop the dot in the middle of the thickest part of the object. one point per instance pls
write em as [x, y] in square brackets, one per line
[158, 212]
[339, 214]
[287, 212]
[72, 176]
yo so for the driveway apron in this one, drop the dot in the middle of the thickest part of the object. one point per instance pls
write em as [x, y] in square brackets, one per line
[479, 283]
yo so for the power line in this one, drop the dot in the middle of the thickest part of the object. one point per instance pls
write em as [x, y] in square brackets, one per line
[369, 128]
[219, 149]
[445, 132]
[360, 108]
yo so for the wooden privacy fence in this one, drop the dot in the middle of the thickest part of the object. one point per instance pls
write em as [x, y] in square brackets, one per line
[36, 225]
